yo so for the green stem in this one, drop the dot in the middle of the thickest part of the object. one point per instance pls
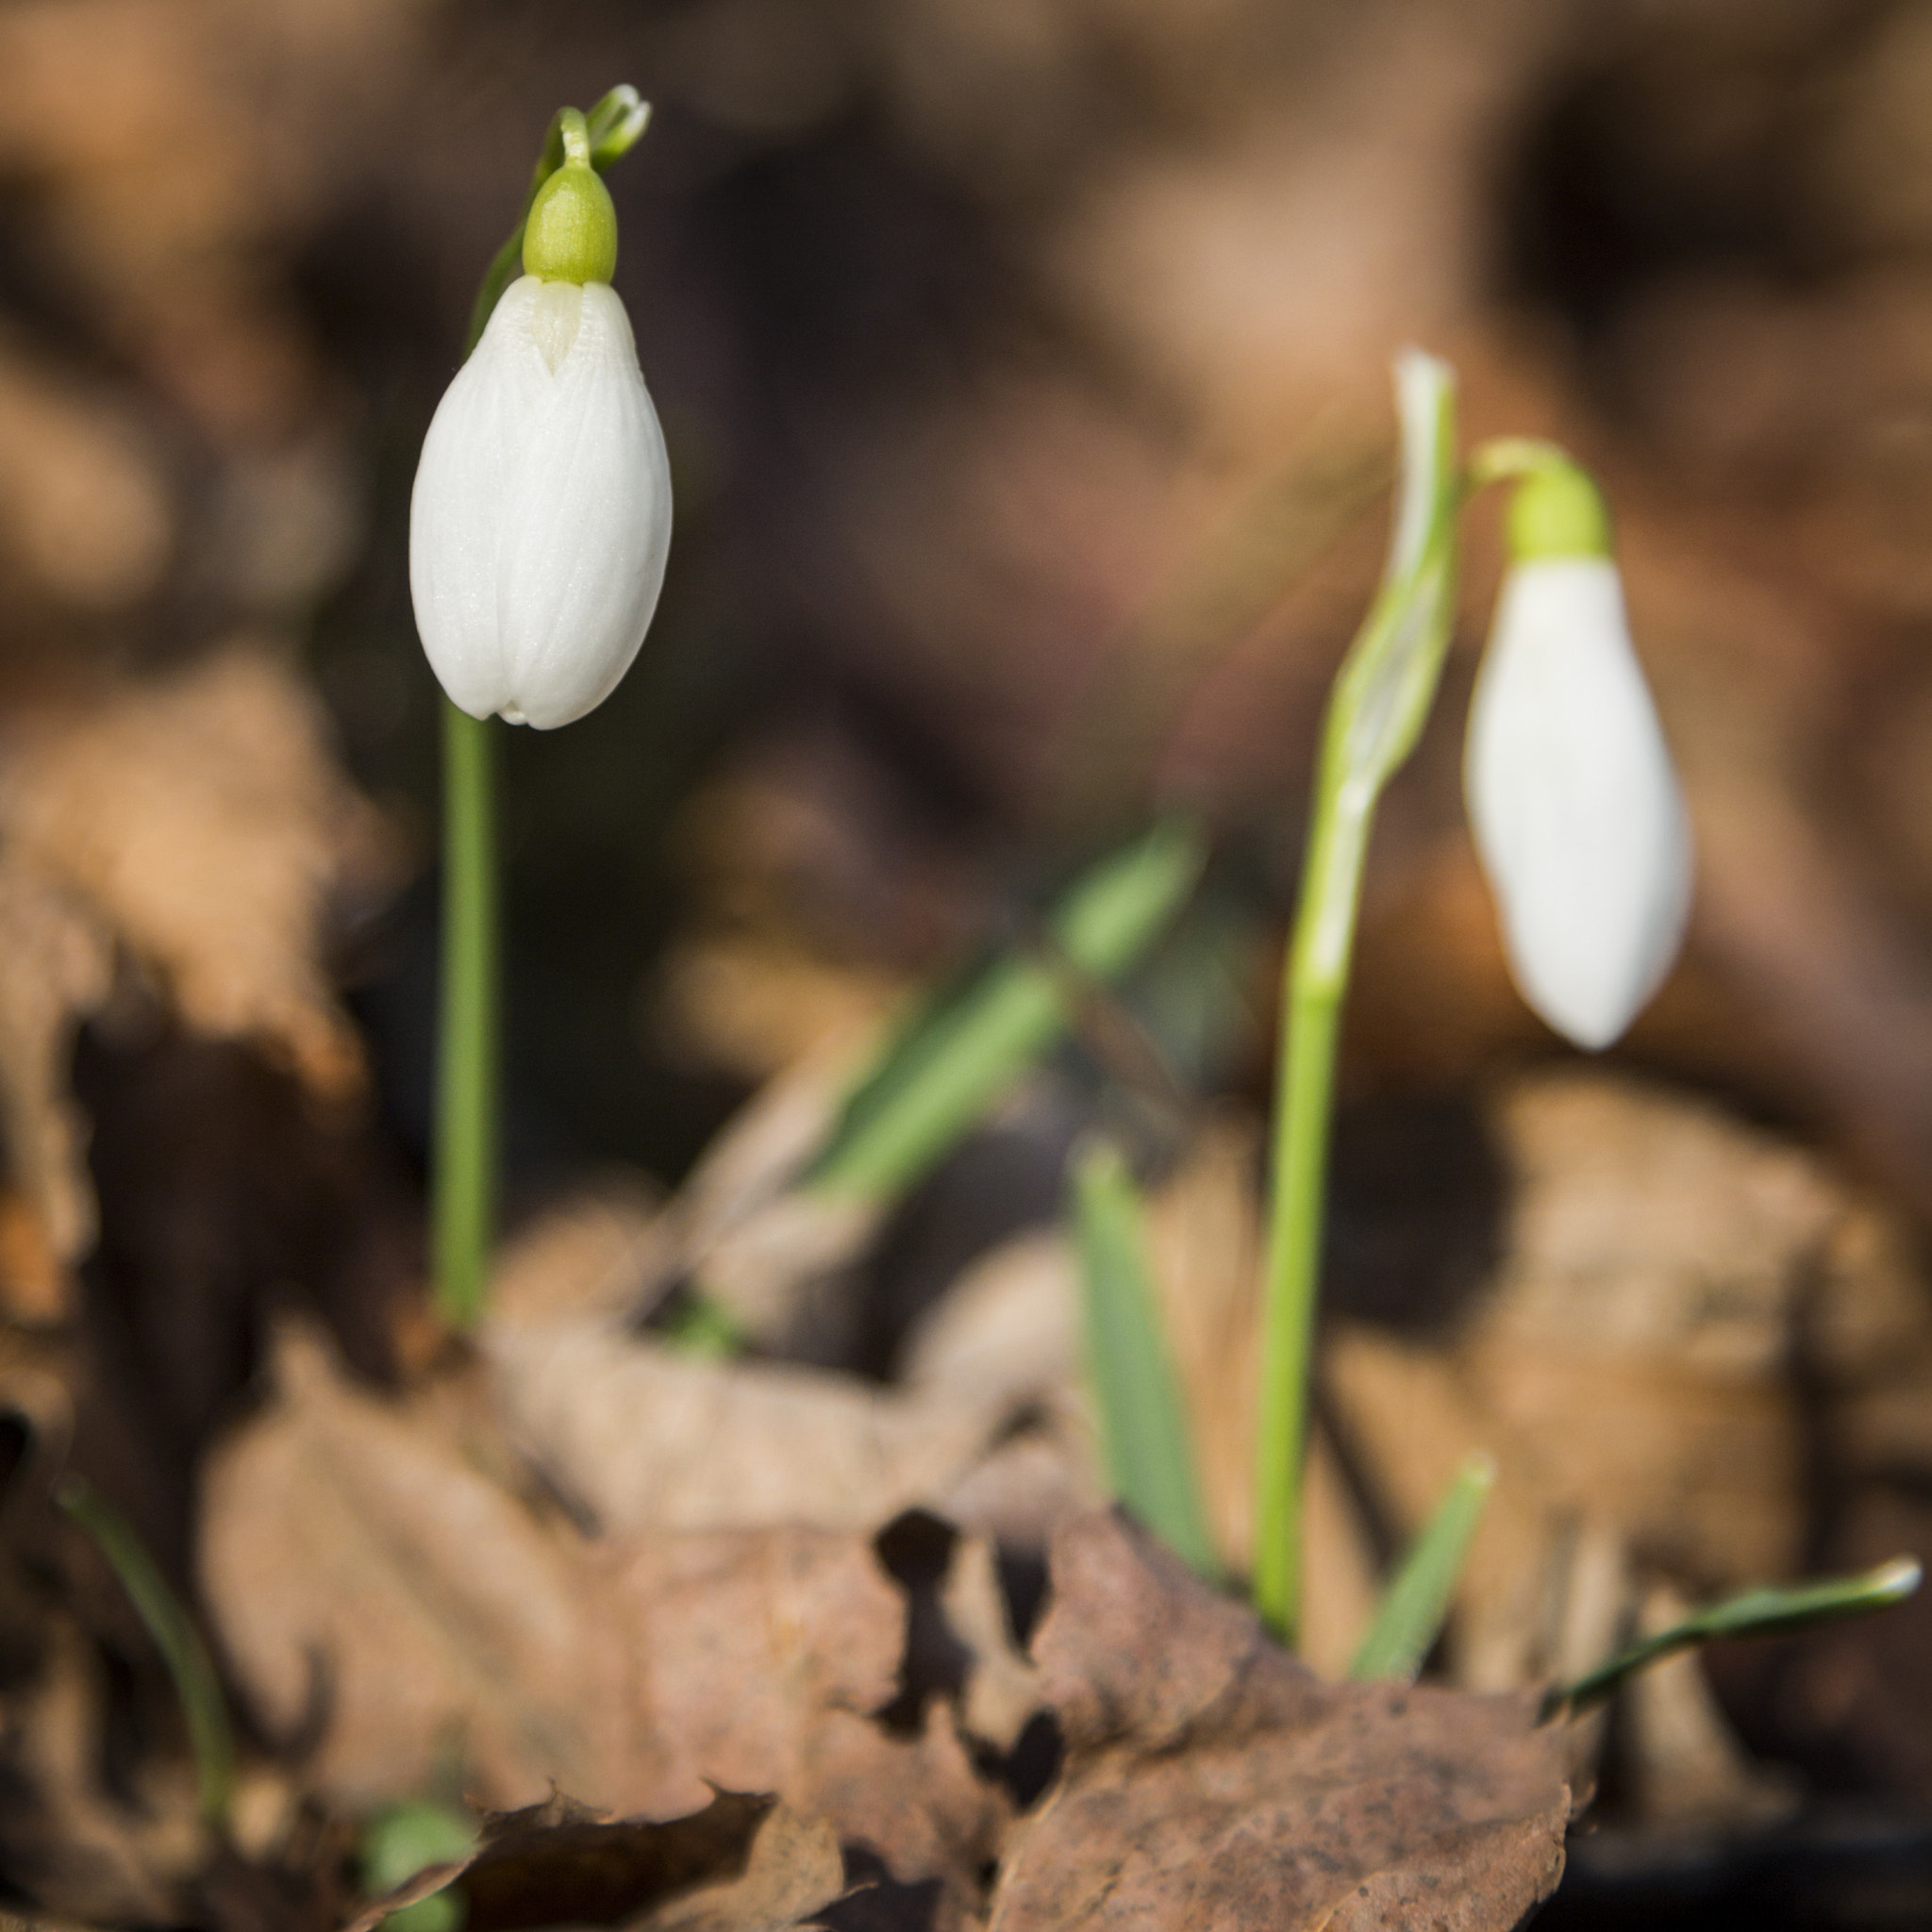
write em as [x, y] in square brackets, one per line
[466, 1122]
[1313, 988]
[1381, 698]
[464, 1210]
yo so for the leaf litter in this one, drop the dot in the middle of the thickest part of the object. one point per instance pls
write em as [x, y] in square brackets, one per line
[374, 1585]
[578, 1557]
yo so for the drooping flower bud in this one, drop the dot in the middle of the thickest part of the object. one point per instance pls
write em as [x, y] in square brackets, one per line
[1575, 804]
[541, 514]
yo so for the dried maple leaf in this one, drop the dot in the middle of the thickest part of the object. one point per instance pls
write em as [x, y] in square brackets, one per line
[1211, 1781]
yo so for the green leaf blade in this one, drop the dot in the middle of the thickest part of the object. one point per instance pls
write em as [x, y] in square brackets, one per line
[935, 1079]
[1143, 1422]
[1768, 1610]
[1413, 1609]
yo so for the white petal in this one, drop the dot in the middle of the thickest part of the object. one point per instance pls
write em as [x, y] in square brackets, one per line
[1575, 807]
[541, 514]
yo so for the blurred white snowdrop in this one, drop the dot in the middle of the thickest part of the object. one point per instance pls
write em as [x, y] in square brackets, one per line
[1575, 806]
[541, 514]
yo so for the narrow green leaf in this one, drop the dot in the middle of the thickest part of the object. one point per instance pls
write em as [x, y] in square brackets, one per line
[1143, 1422]
[1409, 1617]
[1761, 1612]
[958, 1053]
[209, 1733]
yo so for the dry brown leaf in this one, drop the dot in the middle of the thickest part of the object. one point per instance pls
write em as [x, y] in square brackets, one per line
[773, 1254]
[1212, 1780]
[795, 1870]
[741, 1863]
[1689, 1770]
[78, 1847]
[1203, 1234]
[1631, 1371]
[357, 1568]
[756, 1005]
[1010, 1328]
[56, 967]
[1002, 1688]
[201, 821]
[350, 1551]
[598, 1254]
[645, 1437]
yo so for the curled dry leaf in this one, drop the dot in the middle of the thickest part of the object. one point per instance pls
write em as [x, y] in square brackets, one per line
[201, 821]
[370, 1582]
[742, 1863]
[1212, 1780]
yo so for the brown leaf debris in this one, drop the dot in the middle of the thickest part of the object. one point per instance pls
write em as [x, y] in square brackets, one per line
[1212, 1782]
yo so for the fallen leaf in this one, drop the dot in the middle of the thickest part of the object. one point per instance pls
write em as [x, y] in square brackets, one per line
[772, 1255]
[741, 1863]
[1212, 1780]
[201, 821]
[1630, 1372]
[1009, 1329]
[364, 1575]
[794, 1871]
[373, 1584]
[647, 1437]
[598, 1254]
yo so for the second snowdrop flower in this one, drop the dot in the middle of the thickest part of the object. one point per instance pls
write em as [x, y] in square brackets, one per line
[1575, 804]
[542, 515]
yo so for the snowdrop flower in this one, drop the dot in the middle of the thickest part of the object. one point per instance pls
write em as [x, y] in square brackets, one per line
[1576, 810]
[541, 513]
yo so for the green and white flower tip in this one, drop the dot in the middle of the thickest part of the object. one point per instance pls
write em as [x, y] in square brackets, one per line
[541, 514]
[1572, 794]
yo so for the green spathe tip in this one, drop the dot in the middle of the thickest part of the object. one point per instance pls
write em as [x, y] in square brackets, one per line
[1557, 511]
[570, 234]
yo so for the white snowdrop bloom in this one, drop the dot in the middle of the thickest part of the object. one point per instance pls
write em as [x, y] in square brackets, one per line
[1575, 807]
[541, 514]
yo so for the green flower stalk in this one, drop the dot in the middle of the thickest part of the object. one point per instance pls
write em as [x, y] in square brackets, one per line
[1380, 700]
[539, 529]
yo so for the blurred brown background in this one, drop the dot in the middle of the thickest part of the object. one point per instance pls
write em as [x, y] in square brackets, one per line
[1024, 370]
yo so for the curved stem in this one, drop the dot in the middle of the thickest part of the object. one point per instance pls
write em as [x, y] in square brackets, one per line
[1380, 699]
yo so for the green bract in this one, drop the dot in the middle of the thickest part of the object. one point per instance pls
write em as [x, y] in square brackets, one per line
[1557, 513]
